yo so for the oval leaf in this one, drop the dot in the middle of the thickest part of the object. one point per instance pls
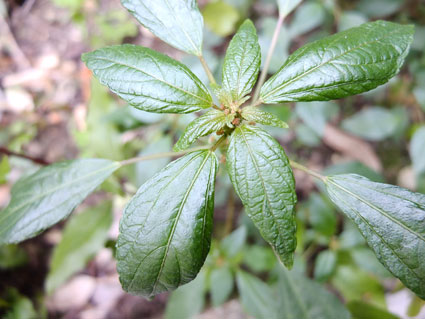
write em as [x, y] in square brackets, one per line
[49, 195]
[254, 114]
[391, 219]
[165, 231]
[242, 62]
[148, 80]
[177, 22]
[260, 172]
[344, 64]
[206, 124]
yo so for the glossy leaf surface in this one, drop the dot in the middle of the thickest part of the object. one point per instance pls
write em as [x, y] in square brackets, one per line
[206, 124]
[344, 64]
[260, 172]
[165, 231]
[49, 195]
[392, 220]
[254, 114]
[148, 80]
[242, 62]
[83, 237]
[177, 22]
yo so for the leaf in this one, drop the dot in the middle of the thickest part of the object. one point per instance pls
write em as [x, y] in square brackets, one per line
[221, 282]
[177, 22]
[254, 114]
[309, 16]
[287, 6]
[165, 232]
[12, 256]
[325, 265]
[260, 172]
[344, 64]
[259, 259]
[242, 62]
[221, 17]
[374, 124]
[4, 169]
[187, 301]
[232, 244]
[322, 215]
[49, 195]
[361, 310]
[391, 219]
[148, 80]
[84, 235]
[300, 297]
[206, 124]
[417, 150]
[316, 114]
[256, 297]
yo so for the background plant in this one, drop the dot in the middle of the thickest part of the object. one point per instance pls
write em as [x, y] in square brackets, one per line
[336, 184]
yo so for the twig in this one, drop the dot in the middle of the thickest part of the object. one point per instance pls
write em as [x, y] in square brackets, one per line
[307, 170]
[41, 161]
[207, 70]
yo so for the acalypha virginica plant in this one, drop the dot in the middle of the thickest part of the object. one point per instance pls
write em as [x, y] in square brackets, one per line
[165, 230]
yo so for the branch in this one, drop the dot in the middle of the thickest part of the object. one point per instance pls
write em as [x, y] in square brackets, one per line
[37, 160]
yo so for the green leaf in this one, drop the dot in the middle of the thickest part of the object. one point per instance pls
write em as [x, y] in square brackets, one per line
[4, 169]
[254, 114]
[260, 172]
[417, 150]
[309, 16]
[165, 232]
[344, 64]
[322, 215]
[391, 219]
[325, 265]
[300, 297]
[187, 301]
[374, 123]
[49, 195]
[148, 80]
[259, 259]
[206, 124]
[242, 62]
[232, 244]
[316, 114]
[287, 6]
[220, 17]
[177, 22]
[12, 256]
[362, 310]
[221, 285]
[256, 297]
[84, 235]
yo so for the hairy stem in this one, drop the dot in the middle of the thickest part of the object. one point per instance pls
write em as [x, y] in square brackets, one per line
[307, 170]
[268, 59]
[207, 70]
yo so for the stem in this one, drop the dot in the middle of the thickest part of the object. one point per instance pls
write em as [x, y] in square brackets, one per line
[161, 155]
[307, 170]
[37, 160]
[218, 143]
[207, 70]
[268, 58]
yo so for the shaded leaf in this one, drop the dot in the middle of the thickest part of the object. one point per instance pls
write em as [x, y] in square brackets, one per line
[84, 235]
[391, 219]
[417, 150]
[254, 114]
[325, 265]
[316, 114]
[344, 64]
[165, 232]
[287, 6]
[221, 285]
[242, 62]
[177, 22]
[206, 124]
[220, 17]
[232, 244]
[49, 195]
[148, 80]
[260, 172]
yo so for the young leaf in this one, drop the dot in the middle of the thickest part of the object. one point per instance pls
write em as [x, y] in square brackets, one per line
[206, 124]
[260, 172]
[148, 80]
[177, 22]
[242, 62]
[49, 195]
[344, 64]
[254, 114]
[417, 150]
[165, 231]
[300, 297]
[287, 6]
[83, 237]
[391, 219]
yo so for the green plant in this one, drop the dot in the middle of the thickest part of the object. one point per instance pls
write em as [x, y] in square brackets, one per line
[165, 232]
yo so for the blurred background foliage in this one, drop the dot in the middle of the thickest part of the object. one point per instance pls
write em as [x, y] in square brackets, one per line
[51, 109]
